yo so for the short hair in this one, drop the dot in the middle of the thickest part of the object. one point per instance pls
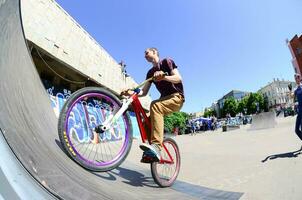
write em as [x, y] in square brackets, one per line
[297, 75]
[153, 49]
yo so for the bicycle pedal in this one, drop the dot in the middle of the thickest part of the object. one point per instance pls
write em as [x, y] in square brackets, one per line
[147, 160]
[149, 157]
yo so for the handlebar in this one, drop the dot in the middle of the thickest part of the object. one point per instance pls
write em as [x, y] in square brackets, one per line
[145, 81]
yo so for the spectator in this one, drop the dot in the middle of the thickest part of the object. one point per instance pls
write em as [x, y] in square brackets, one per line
[298, 94]
[193, 127]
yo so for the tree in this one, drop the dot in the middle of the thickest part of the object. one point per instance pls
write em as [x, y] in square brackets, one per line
[209, 113]
[253, 100]
[260, 99]
[242, 105]
[230, 106]
[177, 119]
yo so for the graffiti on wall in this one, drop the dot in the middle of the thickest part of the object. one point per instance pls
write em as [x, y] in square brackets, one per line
[96, 113]
[86, 115]
[57, 98]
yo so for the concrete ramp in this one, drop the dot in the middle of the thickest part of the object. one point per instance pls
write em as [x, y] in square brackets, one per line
[263, 121]
[27, 120]
[29, 127]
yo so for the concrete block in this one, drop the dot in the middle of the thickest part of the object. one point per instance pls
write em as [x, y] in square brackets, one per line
[263, 121]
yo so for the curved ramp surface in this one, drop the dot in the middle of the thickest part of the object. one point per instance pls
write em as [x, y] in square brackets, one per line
[28, 124]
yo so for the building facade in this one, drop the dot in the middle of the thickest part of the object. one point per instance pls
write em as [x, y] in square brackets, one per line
[215, 107]
[295, 47]
[236, 94]
[67, 58]
[196, 114]
[66, 55]
[276, 93]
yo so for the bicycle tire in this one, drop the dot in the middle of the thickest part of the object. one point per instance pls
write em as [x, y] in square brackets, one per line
[161, 179]
[67, 135]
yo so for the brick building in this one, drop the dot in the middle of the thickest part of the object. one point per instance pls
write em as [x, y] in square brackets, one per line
[295, 46]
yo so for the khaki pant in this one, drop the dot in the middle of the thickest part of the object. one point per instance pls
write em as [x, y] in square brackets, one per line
[158, 109]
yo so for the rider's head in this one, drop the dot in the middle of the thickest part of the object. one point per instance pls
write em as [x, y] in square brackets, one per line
[152, 55]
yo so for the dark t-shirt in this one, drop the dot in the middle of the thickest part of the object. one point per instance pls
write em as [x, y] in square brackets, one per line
[298, 94]
[164, 87]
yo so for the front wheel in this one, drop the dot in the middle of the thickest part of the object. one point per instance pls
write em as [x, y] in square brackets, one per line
[83, 111]
[166, 170]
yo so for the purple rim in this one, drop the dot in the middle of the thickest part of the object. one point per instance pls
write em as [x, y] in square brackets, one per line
[76, 152]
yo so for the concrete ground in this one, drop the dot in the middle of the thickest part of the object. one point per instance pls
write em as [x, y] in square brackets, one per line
[261, 164]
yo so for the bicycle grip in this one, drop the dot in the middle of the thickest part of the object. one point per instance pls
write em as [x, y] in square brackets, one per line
[147, 80]
[137, 90]
[165, 74]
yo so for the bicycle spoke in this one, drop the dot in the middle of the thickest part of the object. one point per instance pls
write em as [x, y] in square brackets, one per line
[165, 173]
[87, 109]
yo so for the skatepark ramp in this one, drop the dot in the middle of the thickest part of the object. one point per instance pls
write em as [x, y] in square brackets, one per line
[27, 120]
[30, 149]
[263, 121]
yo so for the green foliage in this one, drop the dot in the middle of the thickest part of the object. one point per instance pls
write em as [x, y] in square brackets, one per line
[242, 105]
[247, 105]
[253, 100]
[230, 106]
[177, 119]
[209, 113]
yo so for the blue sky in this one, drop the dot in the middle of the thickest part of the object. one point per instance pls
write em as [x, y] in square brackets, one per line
[218, 45]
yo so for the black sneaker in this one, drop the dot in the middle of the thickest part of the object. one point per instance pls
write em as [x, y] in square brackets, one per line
[153, 148]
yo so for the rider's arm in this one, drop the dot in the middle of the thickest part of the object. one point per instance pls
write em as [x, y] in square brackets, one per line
[174, 78]
[144, 91]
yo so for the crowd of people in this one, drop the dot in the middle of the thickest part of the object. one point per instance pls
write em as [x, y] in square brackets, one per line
[202, 124]
[212, 123]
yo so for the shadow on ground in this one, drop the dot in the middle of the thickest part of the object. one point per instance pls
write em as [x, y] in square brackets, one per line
[292, 154]
[131, 177]
[139, 179]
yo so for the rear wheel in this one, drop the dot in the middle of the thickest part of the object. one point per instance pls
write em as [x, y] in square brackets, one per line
[82, 112]
[166, 171]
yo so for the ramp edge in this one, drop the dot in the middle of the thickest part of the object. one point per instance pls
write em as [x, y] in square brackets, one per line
[15, 181]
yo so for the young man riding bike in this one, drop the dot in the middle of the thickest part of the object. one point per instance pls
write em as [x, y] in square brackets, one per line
[168, 81]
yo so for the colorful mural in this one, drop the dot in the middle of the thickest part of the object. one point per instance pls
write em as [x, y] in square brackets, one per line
[96, 115]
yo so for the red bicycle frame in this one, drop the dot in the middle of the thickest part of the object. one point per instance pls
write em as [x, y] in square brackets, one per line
[143, 119]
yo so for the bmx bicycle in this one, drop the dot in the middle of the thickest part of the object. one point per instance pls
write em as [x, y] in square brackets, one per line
[95, 130]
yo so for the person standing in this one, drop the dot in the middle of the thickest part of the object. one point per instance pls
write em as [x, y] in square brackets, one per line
[193, 128]
[297, 94]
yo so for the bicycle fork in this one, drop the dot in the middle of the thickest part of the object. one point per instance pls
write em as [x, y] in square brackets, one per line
[169, 160]
[106, 125]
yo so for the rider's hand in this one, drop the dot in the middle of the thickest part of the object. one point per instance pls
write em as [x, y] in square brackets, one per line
[126, 92]
[159, 75]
